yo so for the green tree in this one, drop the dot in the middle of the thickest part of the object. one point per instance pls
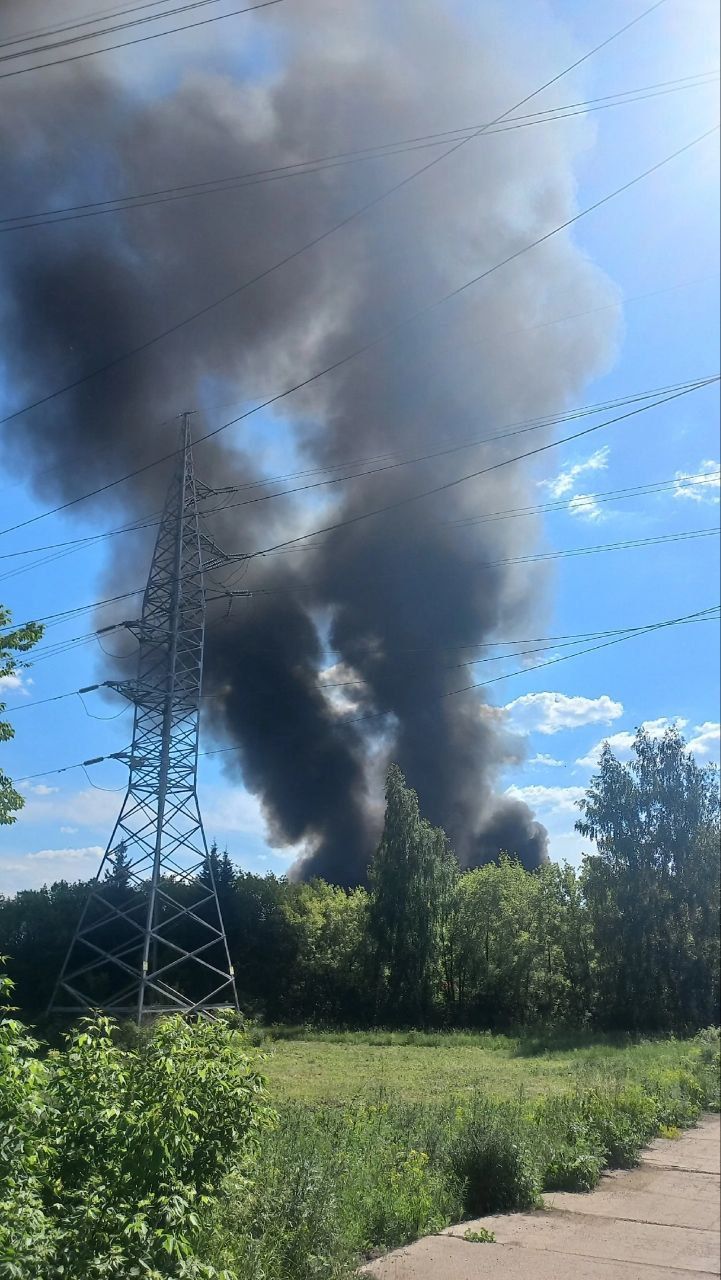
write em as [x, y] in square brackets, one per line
[653, 887]
[411, 879]
[12, 642]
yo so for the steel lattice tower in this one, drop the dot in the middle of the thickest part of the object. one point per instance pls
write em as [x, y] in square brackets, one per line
[151, 937]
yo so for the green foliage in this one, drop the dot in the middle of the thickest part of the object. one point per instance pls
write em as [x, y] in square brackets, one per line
[335, 1185]
[20, 640]
[481, 1236]
[708, 1048]
[631, 943]
[495, 1161]
[109, 1156]
[411, 880]
[24, 1229]
[331, 1186]
[653, 888]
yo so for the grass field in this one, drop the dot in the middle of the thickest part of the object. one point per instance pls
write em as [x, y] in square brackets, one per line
[382, 1137]
[338, 1067]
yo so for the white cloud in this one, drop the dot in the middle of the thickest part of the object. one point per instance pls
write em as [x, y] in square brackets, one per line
[706, 740]
[15, 683]
[565, 482]
[621, 743]
[91, 851]
[86, 808]
[549, 762]
[585, 506]
[68, 831]
[232, 809]
[32, 870]
[549, 713]
[39, 789]
[701, 485]
[549, 800]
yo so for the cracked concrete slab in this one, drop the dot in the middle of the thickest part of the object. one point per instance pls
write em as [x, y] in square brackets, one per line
[657, 1222]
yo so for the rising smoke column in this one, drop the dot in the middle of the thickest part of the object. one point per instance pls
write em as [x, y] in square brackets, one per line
[391, 600]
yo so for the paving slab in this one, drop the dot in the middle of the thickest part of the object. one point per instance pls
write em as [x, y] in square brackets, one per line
[697, 1150]
[682, 1184]
[657, 1222]
[651, 1206]
[611, 1238]
[448, 1258]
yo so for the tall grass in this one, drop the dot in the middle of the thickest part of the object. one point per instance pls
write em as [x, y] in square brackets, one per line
[337, 1184]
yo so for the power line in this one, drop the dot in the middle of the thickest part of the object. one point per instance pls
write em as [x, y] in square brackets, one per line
[330, 231]
[472, 475]
[656, 626]
[624, 544]
[341, 361]
[608, 495]
[509, 675]
[105, 16]
[233, 182]
[517, 428]
[98, 32]
[153, 35]
[388, 455]
[545, 643]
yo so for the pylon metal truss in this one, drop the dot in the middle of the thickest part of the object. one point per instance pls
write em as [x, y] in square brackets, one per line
[151, 938]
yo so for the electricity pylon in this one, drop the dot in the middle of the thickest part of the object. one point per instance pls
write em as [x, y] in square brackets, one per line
[151, 938]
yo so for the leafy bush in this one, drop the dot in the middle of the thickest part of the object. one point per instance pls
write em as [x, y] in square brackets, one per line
[620, 1121]
[568, 1169]
[109, 1157]
[707, 1066]
[495, 1162]
[331, 1186]
[24, 1229]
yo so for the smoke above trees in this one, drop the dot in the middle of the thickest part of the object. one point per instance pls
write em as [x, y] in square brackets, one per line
[386, 602]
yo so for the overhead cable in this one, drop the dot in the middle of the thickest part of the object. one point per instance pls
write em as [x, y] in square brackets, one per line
[382, 337]
[376, 200]
[657, 626]
[301, 168]
[152, 35]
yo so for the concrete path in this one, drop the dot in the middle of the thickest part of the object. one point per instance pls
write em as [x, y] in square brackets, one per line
[657, 1222]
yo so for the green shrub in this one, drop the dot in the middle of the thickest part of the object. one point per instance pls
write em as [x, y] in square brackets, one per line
[109, 1157]
[25, 1232]
[620, 1122]
[332, 1186]
[706, 1064]
[568, 1169]
[494, 1159]
[568, 1158]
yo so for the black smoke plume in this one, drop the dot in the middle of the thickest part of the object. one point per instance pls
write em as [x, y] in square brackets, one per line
[352, 657]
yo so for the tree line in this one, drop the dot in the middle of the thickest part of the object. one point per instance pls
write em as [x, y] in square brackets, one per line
[629, 941]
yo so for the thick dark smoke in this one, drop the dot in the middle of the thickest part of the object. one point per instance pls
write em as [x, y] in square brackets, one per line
[386, 602]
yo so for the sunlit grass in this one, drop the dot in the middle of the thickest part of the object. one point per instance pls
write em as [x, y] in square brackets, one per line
[338, 1067]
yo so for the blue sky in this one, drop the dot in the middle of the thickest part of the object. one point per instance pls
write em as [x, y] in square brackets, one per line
[659, 245]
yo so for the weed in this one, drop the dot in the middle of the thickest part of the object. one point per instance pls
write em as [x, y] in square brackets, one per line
[495, 1162]
[481, 1236]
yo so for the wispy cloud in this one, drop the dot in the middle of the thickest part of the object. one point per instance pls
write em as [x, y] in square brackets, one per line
[548, 762]
[701, 485]
[90, 852]
[706, 740]
[550, 713]
[86, 808]
[621, 743]
[565, 482]
[585, 506]
[17, 683]
[549, 800]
